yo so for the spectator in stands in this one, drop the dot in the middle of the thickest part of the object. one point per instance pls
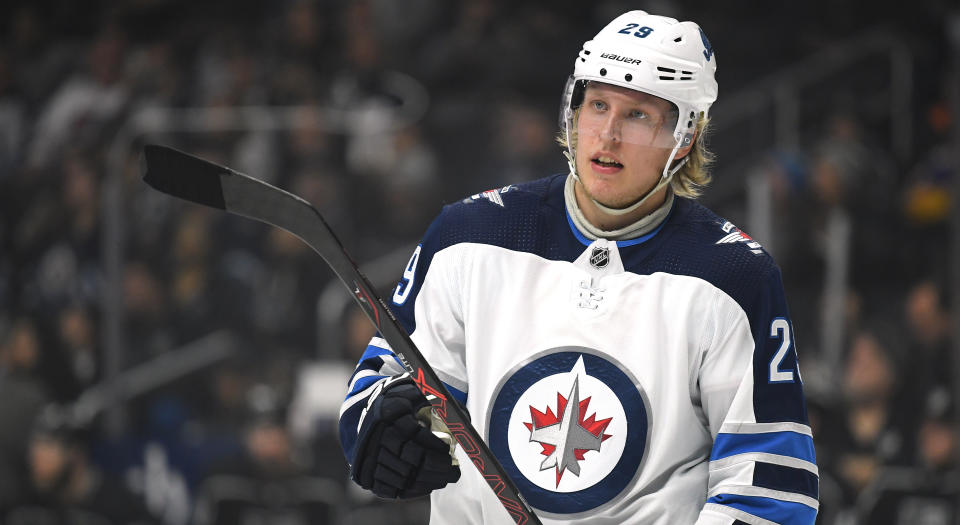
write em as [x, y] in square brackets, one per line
[870, 433]
[931, 363]
[77, 333]
[84, 105]
[271, 481]
[66, 487]
[146, 303]
[22, 395]
[929, 493]
[927, 200]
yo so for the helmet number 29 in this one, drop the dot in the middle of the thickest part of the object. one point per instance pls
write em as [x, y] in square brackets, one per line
[643, 32]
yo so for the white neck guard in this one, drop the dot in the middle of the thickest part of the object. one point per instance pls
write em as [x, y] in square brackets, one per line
[642, 227]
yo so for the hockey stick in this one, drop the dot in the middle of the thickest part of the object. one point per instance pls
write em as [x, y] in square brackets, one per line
[196, 180]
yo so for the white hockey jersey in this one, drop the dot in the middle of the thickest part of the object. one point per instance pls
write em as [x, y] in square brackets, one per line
[648, 381]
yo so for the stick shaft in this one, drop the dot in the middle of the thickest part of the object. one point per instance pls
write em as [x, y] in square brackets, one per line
[203, 182]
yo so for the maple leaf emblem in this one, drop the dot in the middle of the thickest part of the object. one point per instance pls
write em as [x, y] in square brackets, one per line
[566, 436]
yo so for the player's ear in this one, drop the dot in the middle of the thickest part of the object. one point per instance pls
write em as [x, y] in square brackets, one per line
[684, 151]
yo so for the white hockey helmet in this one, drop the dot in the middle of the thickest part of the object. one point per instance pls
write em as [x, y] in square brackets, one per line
[654, 54]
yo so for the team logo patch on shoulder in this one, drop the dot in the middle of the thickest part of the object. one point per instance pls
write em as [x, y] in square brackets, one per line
[570, 427]
[490, 195]
[734, 235]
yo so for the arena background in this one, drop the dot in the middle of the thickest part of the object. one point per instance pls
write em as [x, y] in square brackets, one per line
[164, 364]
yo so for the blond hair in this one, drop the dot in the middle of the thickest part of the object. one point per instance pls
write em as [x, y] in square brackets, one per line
[690, 180]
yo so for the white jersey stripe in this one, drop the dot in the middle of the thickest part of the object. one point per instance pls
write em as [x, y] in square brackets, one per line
[361, 374]
[380, 342]
[764, 457]
[761, 428]
[360, 396]
[761, 492]
[733, 237]
[390, 366]
[733, 474]
[745, 517]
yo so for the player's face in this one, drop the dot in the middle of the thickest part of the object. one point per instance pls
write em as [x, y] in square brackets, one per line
[623, 140]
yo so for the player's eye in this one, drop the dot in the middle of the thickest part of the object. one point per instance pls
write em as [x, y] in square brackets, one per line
[639, 114]
[599, 105]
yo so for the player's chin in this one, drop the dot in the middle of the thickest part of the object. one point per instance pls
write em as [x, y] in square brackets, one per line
[603, 189]
[610, 198]
[615, 203]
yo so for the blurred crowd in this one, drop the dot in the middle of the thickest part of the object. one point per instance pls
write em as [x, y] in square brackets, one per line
[401, 107]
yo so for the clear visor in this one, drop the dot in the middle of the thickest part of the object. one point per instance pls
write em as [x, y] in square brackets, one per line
[605, 111]
[616, 114]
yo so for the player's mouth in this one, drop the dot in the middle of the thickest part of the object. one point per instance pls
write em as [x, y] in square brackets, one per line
[604, 163]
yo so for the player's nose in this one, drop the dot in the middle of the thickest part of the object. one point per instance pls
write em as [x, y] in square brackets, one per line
[610, 130]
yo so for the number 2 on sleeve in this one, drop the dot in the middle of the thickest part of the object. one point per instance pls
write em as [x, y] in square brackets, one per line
[780, 328]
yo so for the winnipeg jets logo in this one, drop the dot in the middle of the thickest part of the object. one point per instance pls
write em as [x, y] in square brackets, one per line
[600, 257]
[734, 235]
[567, 437]
[570, 427]
[707, 48]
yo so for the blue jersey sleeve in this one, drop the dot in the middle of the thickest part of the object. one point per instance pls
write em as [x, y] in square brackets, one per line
[762, 463]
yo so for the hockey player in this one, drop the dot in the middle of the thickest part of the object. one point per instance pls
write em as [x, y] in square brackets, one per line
[626, 353]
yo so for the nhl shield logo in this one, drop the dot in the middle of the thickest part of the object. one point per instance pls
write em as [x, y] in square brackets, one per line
[600, 257]
[570, 427]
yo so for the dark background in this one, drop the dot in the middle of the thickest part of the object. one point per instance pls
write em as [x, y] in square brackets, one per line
[835, 137]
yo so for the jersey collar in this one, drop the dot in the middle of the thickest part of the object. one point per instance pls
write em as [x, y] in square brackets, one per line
[637, 233]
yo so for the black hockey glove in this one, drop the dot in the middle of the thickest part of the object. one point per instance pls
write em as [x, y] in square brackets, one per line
[397, 455]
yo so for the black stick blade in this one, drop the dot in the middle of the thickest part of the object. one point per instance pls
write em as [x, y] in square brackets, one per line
[182, 175]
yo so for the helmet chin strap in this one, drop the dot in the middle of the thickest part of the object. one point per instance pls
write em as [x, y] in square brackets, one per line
[665, 178]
